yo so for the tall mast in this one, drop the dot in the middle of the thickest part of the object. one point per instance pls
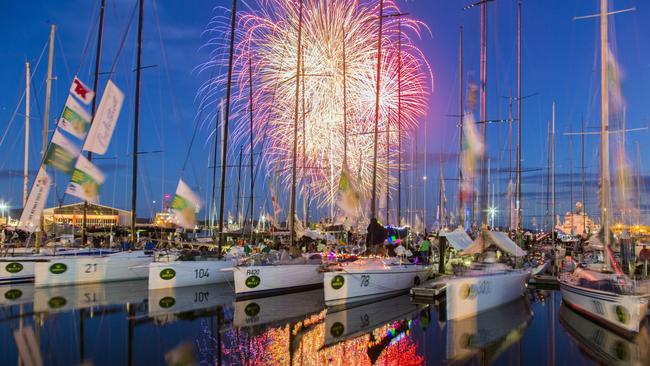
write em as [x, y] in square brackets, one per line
[424, 181]
[571, 177]
[136, 125]
[250, 97]
[292, 218]
[98, 55]
[461, 211]
[518, 203]
[510, 192]
[548, 172]
[239, 222]
[399, 122]
[214, 170]
[46, 119]
[304, 140]
[604, 110]
[373, 200]
[553, 172]
[222, 189]
[584, 202]
[26, 159]
[484, 109]
[638, 186]
[345, 105]
[387, 173]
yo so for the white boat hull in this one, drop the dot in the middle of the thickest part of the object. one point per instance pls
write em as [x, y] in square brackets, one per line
[277, 309]
[16, 294]
[621, 312]
[122, 266]
[166, 303]
[65, 298]
[189, 273]
[17, 270]
[358, 284]
[251, 281]
[471, 295]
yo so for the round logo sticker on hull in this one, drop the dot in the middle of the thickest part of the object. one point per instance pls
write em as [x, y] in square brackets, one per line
[14, 267]
[252, 281]
[167, 274]
[167, 302]
[337, 282]
[252, 309]
[58, 268]
[13, 294]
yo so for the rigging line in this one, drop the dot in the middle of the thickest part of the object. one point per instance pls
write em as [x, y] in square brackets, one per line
[65, 59]
[122, 41]
[22, 97]
[86, 43]
[175, 109]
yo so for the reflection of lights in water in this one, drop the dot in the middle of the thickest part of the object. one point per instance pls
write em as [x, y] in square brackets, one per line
[391, 342]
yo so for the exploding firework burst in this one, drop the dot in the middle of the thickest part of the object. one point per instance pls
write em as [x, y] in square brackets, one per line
[339, 51]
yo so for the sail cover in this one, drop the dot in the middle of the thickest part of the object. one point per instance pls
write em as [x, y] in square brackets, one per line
[500, 239]
[458, 239]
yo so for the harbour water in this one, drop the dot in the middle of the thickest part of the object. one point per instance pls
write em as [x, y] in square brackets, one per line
[124, 324]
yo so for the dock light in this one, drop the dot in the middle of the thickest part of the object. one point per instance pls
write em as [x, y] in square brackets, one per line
[3, 207]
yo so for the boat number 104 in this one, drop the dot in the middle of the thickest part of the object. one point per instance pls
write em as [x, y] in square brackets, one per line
[201, 273]
[365, 280]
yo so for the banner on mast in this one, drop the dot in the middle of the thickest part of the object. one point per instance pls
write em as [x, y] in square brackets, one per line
[87, 181]
[185, 205]
[81, 91]
[61, 154]
[31, 217]
[105, 120]
[75, 119]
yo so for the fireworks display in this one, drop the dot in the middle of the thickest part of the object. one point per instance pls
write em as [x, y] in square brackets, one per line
[339, 48]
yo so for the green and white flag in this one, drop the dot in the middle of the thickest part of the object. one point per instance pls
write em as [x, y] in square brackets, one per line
[75, 119]
[105, 120]
[87, 181]
[61, 154]
[31, 217]
[185, 206]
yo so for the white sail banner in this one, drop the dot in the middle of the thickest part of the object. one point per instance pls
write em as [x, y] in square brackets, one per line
[81, 91]
[105, 120]
[87, 181]
[31, 216]
[61, 154]
[75, 119]
[185, 205]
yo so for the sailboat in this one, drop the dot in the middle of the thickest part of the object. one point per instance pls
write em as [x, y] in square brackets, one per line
[128, 265]
[372, 278]
[199, 270]
[609, 297]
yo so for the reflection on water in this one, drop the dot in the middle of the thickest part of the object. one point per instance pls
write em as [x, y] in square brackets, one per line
[124, 323]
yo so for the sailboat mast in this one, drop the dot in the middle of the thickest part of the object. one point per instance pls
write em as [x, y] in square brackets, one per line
[250, 97]
[483, 109]
[518, 203]
[461, 211]
[553, 172]
[584, 200]
[214, 170]
[373, 200]
[26, 159]
[399, 122]
[46, 122]
[241, 153]
[387, 174]
[345, 105]
[304, 140]
[136, 125]
[638, 186]
[222, 189]
[98, 55]
[292, 217]
[571, 176]
[604, 109]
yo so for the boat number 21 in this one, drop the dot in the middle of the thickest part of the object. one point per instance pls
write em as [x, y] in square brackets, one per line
[91, 267]
[201, 273]
[365, 280]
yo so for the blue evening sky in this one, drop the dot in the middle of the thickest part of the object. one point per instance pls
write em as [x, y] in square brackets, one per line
[560, 62]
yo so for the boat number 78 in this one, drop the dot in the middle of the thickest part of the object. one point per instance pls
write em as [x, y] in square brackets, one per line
[365, 280]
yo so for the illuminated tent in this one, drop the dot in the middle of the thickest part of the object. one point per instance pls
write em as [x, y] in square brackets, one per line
[500, 239]
[458, 239]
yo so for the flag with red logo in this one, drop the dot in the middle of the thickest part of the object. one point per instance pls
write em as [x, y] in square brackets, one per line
[81, 91]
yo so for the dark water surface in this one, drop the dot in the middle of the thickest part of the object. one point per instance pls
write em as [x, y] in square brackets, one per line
[123, 323]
